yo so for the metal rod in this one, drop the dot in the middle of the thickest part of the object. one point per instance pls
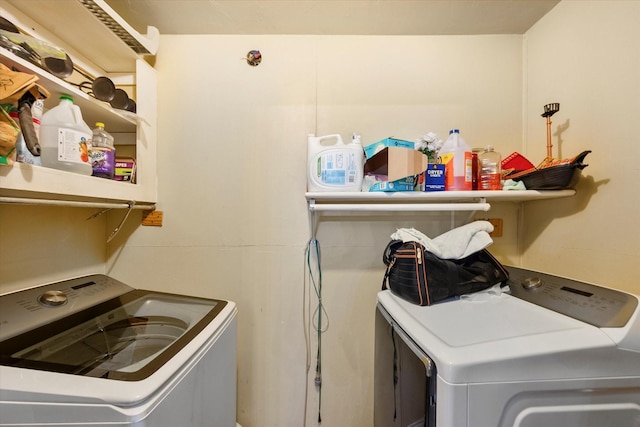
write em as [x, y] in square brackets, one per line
[549, 144]
[405, 207]
[71, 203]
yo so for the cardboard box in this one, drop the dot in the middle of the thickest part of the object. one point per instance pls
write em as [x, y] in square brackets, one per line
[408, 183]
[396, 163]
[434, 177]
[395, 169]
[125, 169]
[372, 149]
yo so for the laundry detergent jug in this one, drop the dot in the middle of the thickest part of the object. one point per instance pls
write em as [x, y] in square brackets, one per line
[334, 165]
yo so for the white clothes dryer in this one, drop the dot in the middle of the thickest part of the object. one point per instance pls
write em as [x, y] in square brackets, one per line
[93, 351]
[550, 352]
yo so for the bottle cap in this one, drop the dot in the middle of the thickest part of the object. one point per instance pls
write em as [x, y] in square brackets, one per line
[454, 131]
[99, 124]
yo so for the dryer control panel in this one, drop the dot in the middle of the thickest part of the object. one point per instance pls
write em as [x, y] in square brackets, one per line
[27, 309]
[596, 305]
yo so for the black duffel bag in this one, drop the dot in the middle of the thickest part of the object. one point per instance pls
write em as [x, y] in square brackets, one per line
[422, 278]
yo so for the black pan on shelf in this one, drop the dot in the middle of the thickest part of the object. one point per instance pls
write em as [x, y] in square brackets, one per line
[555, 177]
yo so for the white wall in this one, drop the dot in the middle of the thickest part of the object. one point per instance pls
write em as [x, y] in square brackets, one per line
[232, 160]
[40, 244]
[232, 178]
[586, 56]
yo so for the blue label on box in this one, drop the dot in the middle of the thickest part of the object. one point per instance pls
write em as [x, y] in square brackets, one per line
[405, 184]
[376, 147]
[434, 177]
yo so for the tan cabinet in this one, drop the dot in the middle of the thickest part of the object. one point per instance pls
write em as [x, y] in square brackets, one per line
[101, 44]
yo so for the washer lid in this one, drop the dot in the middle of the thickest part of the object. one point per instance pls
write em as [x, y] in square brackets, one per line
[126, 338]
[503, 338]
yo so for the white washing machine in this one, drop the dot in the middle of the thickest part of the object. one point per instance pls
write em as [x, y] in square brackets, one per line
[92, 351]
[551, 352]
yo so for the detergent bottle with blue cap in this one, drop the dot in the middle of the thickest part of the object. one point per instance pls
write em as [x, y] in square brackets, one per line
[334, 165]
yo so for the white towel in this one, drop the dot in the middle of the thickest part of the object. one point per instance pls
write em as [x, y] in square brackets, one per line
[510, 184]
[457, 243]
[487, 294]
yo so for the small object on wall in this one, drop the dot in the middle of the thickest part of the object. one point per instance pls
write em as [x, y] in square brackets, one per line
[497, 226]
[254, 57]
[152, 218]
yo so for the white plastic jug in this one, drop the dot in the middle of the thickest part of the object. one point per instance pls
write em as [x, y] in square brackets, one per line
[333, 165]
[65, 138]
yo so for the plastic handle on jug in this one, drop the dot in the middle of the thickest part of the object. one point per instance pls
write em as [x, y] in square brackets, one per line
[319, 139]
[77, 114]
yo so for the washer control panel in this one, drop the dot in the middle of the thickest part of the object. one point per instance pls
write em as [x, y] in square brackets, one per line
[28, 309]
[596, 305]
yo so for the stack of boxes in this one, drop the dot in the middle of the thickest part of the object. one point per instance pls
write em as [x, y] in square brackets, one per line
[394, 165]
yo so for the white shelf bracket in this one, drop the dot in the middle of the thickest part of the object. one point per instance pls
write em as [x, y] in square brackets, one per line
[483, 202]
[313, 219]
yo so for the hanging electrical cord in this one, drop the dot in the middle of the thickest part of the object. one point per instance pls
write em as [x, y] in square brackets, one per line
[306, 306]
[313, 251]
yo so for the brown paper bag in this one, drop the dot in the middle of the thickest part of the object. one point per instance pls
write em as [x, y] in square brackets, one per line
[9, 131]
[14, 84]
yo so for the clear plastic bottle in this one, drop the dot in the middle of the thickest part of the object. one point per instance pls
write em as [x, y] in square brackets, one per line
[103, 153]
[490, 170]
[456, 155]
[65, 139]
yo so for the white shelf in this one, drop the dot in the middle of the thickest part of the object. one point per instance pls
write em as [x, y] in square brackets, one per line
[117, 121]
[376, 203]
[418, 198]
[27, 181]
[412, 202]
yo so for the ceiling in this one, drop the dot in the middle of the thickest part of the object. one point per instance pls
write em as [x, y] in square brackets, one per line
[333, 17]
